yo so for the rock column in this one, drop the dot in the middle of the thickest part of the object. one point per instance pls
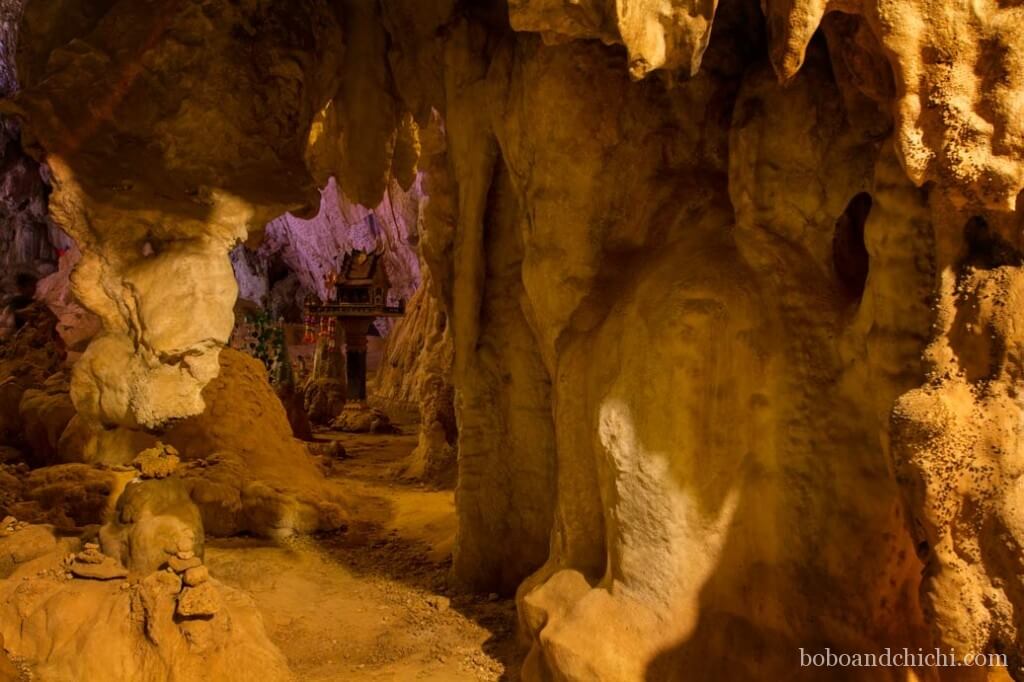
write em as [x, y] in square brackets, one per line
[325, 391]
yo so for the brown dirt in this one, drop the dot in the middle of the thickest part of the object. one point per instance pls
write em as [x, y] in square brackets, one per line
[369, 602]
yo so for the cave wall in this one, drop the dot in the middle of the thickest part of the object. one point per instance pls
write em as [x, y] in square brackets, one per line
[308, 250]
[694, 435]
[29, 240]
[313, 248]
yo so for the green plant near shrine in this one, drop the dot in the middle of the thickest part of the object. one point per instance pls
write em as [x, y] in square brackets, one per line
[268, 345]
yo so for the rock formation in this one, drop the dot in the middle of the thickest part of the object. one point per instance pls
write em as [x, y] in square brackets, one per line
[730, 291]
[416, 370]
[244, 469]
[164, 627]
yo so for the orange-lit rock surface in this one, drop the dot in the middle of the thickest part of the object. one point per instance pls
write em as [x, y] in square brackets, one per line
[731, 290]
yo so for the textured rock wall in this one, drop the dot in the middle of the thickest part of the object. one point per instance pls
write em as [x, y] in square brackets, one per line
[28, 239]
[158, 167]
[415, 372]
[730, 297]
[313, 248]
[721, 378]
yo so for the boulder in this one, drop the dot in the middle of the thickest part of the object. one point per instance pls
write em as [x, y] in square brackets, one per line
[106, 569]
[179, 565]
[199, 601]
[155, 519]
[324, 398]
[242, 465]
[358, 417]
[196, 575]
[24, 545]
[45, 412]
[69, 495]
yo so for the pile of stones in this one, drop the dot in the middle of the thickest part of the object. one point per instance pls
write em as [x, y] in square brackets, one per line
[92, 564]
[198, 597]
[10, 525]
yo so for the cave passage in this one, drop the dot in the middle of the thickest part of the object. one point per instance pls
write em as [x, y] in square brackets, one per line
[497, 340]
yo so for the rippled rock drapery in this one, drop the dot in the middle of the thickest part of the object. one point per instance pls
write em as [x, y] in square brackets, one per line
[694, 429]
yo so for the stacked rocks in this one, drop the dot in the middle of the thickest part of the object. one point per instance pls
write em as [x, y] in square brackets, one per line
[198, 597]
[93, 564]
[10, 525]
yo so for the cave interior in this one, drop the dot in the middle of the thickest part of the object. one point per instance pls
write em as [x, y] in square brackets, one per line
[542, 340]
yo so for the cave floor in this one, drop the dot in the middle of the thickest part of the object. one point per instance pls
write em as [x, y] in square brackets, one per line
[371, 602]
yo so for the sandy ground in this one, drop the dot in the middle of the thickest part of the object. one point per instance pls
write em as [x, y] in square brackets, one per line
[371, 602]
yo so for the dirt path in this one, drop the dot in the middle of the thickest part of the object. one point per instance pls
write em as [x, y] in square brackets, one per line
[371, 602]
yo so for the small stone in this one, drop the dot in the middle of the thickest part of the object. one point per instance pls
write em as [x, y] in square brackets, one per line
[187, 543]
[198, 633]
[185, 554]
[92, 546]
[8, 521]
[181, 565]
[202, 600]
[337, 451]
[90, 556]
[440, 604]
[493, 596]
[163, 582]
[197, 575]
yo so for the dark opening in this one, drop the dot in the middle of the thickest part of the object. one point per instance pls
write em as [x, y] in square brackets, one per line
[355, 370]
[849, 254]
[986, 250]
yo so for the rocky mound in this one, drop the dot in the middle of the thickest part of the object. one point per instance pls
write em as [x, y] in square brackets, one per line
[71, 612]
[239, 459]
[67, 496]
[242, 464]
[134, 602]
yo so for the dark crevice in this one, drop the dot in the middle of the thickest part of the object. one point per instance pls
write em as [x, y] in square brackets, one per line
[986, 250]
[849, 253]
